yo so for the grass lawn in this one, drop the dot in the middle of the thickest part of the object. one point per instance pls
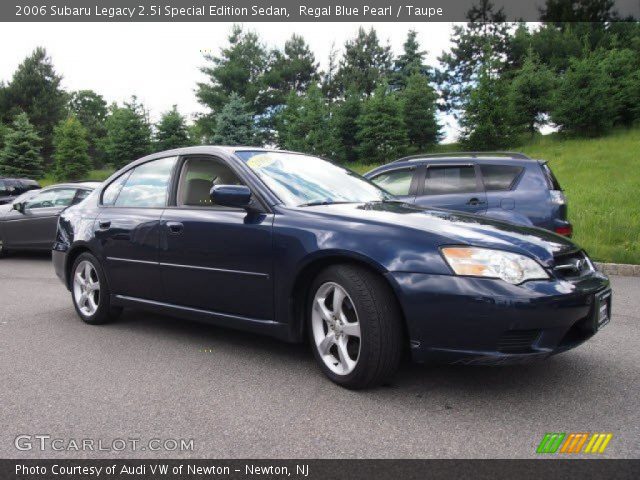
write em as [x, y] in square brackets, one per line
[601, 179]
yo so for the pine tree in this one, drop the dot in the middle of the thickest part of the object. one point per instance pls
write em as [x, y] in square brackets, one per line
[128, 133]
[240, 69]
[419, 113]
[530, 94]
[20, 156]
[382, 134]
[330, 87]
[71, 150]
[622, 67]
[91, 110]
[484, 38]
[235, 124]
[365, 63]
[410, 63]
[344, 127]
[487, 121]
[582, 105]
[35, 90]
[171, 131]
[304, 124]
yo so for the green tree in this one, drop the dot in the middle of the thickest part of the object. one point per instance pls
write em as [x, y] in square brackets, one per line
[235, 124]
[531, 94]
[365, 63]
[485, 38]
[410, 62]
[35, 90]
[419, 108]
[344, 126]
[128, 133]
[622, 66]
[293, 69]
[171, 131]
[382, 134]
[330, 87]
[91, 110]
[304, 124]
[240, 69]
[20, 156]
[582, 105]
[71, 150]
[487, 121]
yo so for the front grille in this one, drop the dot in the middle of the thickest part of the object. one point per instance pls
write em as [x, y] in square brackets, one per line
[518, 341]
[572, 265]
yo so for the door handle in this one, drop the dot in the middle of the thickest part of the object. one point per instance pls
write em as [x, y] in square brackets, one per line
[175, 228]
[105, 224]
[474, 201]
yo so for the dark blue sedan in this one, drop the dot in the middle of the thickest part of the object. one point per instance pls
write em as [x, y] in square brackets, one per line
[297, 247]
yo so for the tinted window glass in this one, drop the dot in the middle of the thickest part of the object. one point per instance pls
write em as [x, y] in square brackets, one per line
[198, 176]
[441, 180]
[61, 197]
[397, 182]
[81, 195]
[3, 188]
[499, 177]
[551, 178]
[147, 186]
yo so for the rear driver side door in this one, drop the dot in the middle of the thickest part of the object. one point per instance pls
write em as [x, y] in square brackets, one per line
[454, 186]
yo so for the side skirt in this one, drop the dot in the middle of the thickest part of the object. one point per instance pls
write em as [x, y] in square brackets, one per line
[264, 327]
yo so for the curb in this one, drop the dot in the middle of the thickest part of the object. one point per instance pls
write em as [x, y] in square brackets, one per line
[623, 269]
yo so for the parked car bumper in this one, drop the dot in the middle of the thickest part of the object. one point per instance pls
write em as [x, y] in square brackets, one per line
[485, 321]
[59, 258]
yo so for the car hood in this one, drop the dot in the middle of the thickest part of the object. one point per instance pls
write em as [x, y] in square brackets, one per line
[455, 228]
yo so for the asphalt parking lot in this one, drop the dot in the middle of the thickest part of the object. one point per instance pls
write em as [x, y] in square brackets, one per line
[239, 395]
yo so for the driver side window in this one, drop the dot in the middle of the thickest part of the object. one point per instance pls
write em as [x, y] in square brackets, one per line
[198, 176]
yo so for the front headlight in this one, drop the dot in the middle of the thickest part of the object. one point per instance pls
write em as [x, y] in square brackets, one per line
[484, 262]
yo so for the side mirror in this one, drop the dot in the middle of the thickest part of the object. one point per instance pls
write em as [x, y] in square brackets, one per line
[238, 196]
[19, 207]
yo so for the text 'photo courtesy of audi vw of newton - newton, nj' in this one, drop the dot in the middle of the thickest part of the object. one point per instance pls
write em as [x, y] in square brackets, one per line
[296, 247]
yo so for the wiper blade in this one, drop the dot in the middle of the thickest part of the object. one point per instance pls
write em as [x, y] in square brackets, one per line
[321, 202]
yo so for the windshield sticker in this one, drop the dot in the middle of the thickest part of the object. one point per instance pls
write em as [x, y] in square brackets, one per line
[260, 161]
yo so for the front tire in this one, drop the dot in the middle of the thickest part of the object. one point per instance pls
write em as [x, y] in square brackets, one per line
[90, 291]
[3, 251]
[355, 326]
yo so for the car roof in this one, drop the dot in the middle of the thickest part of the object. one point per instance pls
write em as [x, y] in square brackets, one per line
[504, 158]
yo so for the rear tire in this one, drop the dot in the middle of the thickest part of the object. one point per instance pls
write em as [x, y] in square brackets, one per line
[3, 251]
[90, 291]
[355, 326]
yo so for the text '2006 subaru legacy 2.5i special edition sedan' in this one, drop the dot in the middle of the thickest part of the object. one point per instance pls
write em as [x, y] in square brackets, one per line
[294, 246]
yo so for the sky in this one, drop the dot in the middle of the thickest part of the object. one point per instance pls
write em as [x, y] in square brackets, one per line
[160, 62]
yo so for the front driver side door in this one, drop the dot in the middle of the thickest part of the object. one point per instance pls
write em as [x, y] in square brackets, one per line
[215, 258]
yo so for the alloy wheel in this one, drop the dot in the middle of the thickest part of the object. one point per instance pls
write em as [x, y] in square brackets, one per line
[336, 328]
[86, 288]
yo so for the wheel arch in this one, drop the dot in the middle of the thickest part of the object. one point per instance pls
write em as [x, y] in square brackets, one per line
[299, 292]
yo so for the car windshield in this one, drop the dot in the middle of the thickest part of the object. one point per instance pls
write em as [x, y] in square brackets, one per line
[303, 180]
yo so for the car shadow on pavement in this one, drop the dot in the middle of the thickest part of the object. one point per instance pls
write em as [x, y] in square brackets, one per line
[569, 370]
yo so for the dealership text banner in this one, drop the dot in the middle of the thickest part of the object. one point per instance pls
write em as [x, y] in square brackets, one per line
[271, 11]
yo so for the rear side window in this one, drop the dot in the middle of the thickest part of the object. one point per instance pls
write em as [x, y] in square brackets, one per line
[499, 177]
[397, 182]
[552, 181]
[450, 179]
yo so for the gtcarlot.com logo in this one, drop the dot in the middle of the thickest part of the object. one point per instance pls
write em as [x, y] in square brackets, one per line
[574, 442]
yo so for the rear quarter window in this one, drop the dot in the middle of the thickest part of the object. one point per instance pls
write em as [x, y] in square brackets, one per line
[499, 177]
[552, 181]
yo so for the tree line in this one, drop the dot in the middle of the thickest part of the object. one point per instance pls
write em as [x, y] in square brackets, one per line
[502, 82]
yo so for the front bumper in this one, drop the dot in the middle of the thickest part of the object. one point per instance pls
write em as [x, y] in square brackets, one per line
[485, 321]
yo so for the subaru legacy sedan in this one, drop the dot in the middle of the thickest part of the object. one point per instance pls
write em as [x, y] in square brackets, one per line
[296, 247]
